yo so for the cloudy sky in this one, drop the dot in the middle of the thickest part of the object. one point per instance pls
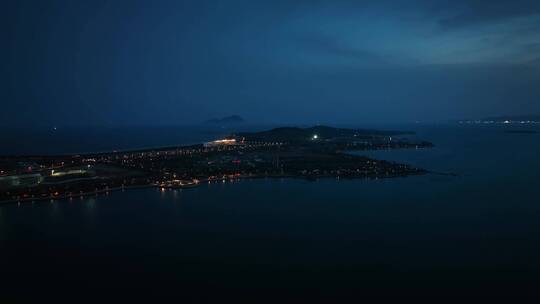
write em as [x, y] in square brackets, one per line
[177, 62]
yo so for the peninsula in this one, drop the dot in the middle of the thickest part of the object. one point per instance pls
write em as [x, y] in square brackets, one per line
[308, 153]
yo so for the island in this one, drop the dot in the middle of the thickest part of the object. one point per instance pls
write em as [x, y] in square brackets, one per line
[507, 119]
[292, 152]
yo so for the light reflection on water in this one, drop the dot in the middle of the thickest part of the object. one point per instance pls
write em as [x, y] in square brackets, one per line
[91, 203]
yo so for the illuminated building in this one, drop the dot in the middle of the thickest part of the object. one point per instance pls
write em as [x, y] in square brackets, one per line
[220, 142]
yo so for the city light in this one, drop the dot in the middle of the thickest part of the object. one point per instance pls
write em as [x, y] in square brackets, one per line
[220, 142]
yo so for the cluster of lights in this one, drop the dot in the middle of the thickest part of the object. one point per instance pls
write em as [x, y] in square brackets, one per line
[225, 141]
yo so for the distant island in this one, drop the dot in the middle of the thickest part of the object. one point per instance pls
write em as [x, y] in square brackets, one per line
[508, 119]
[514, 119]
[308, 153]
[233, 119]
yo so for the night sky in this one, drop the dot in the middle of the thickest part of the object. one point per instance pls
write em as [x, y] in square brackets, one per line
[283, 61]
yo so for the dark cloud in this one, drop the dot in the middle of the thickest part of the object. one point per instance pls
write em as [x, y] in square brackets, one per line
[533, 48]
[534, 62]
[169, 61]
[329, 46]
[478, 12]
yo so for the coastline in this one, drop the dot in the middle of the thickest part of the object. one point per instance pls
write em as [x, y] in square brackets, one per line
[209, 181]
[66, 196]
[308, 153]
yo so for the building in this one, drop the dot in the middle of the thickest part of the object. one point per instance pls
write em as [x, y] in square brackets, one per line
[220, 142]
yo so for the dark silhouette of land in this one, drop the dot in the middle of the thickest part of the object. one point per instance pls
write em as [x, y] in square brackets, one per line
[506, 119]
[308, 153]
[514, 118]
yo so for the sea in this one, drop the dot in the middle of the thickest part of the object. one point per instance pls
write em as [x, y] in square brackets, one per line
[472, 227]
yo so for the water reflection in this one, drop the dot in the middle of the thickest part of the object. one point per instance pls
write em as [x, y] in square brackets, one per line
[91, 203]
[90, 206]
[55, 211]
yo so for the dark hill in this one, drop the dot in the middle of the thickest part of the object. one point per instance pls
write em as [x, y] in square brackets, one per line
[233, 119]
[295, 134]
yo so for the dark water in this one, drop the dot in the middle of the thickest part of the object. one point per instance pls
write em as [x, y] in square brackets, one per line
[477, 233]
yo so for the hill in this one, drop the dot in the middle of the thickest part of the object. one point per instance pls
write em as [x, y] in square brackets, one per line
[233, 119]
[296, 134]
